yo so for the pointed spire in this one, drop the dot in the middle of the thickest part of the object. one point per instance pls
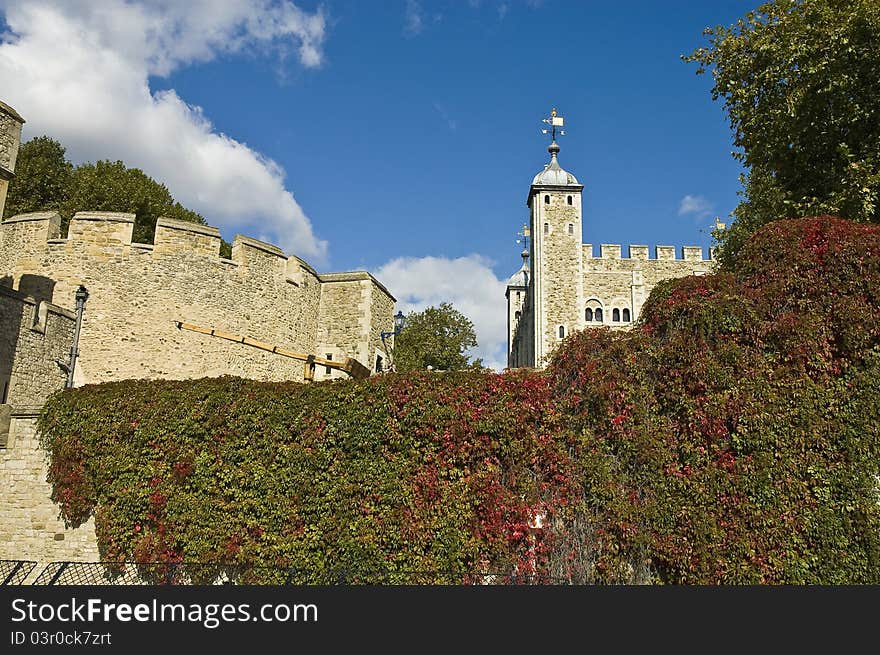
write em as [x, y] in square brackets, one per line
[553, 149]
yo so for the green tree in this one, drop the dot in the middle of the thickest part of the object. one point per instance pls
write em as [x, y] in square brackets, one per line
[799, 82]
[111, 186]
[437, 337]
[42, 177]
[45, 180]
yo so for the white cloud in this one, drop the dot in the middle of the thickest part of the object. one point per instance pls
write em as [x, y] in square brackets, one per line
[413, 18]
[697, 206]
[468, 283]
[79, 72]
[451, 123]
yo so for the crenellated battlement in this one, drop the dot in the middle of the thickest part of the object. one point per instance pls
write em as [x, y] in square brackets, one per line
[183, 237]
[139, 292]
[138, 296]
[109, 235]
[641, 252]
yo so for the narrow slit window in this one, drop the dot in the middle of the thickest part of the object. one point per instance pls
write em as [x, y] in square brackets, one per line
[571, 228]
[569, 200]
[329, 370]
[626, 316]
[615, 315]
[561, 331]
[546, 228]
[546, 200]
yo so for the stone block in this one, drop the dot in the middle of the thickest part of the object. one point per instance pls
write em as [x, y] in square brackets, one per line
[5, 421]
[665, 252]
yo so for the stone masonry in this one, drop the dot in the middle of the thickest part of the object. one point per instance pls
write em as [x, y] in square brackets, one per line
[34, 336]
[137, 295]
[10, 136]
[565, 287]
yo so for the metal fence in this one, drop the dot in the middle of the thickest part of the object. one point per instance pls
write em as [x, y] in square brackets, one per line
[15, 571]
[129, 573]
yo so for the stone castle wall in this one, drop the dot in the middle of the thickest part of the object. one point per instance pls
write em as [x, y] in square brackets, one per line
[34, 335]
[520, 330]
[556, 236]
[340, 331]
[30, 526]
[609, 281]
[10, 136]
[612, 281]
[138, 293]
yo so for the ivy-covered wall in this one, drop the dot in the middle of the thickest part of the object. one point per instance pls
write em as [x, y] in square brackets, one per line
[732, 437]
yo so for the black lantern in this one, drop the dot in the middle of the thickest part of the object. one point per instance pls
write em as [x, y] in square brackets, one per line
[399, 320]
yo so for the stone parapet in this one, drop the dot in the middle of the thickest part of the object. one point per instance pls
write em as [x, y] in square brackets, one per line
[186, 238]
[641, 252]
[139, 291]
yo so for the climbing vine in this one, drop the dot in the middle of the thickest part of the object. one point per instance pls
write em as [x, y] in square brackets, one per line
[732, 437]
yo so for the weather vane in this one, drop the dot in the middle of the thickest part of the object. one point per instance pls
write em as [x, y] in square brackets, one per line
[524, 236]
[553, 121]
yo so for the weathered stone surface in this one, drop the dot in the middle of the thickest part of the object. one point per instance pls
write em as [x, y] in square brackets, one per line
[34, 336]
[137, 295]
[566, 279]
[138, 292]
[29, 521]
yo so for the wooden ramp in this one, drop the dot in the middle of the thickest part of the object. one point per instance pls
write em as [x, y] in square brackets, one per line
[351, 366]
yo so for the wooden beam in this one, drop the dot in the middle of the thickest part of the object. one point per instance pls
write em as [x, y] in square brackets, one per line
[350, 366]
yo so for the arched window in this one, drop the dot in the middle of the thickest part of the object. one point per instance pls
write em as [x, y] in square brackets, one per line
[571, 228]
[626, 316]
[588, 315]
[546, 228]
[598, 314]
[561, 331]
[615, 315]
[569, 200]
[546, 200]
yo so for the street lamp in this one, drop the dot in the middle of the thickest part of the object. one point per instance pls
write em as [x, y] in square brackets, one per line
[399, 321]
[81, 295]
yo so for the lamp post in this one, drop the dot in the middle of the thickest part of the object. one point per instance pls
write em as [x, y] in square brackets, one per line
[399, 322]
[81, 296]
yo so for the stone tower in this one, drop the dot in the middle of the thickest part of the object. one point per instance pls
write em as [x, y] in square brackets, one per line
[517, 288]
[556, 263]
[565, 287]
[10, 137]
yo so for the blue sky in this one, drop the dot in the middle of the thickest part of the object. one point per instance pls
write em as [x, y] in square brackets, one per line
[398, 137]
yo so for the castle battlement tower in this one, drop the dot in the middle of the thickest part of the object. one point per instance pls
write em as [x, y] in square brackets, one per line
[554, 203]
[10, 137]
[566, 287]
